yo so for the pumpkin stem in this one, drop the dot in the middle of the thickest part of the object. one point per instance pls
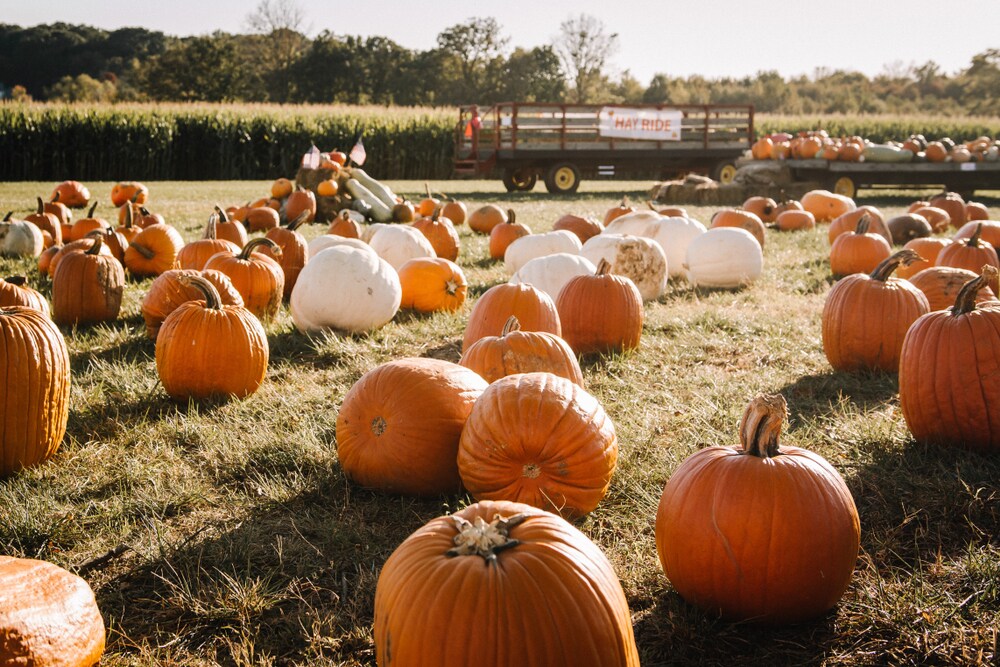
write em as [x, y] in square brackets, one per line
[511, 218]
[603, 268]
[761, 425]
[20, 281]
[41, 206]
[129, 216]
[484, 539]
[892, 262]
[203, 285]
[863, 224]
[143, 250]
[90, 213]
[299, 221]
[427, 189]
[973, 241]
[223, 216]
[210, 230]
[965, 302]
[55, 196]
[98, 242]
[248, 248]
[437, 213]
[6, 218]
[512, 324]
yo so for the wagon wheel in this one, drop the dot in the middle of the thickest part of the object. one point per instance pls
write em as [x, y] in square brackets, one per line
[521, 180]
[724, 172]
[562, 178]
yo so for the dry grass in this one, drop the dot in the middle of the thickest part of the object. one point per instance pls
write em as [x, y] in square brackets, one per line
[246, 546]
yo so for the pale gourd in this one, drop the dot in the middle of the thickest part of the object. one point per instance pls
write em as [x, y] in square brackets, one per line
[527, 248]
[724, 257]
[345, 288]
[368, 231]
[551, 272]
[637, 223]
[20, 238]
[325, 241]
[674, 234]
[398, 244]
[635, 257]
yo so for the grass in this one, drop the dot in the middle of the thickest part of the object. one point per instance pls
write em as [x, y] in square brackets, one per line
[237, 540]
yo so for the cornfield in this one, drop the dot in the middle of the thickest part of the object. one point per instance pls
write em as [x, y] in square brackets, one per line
[236, 142]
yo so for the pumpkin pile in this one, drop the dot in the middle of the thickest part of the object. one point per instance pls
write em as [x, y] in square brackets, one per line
[818, 144]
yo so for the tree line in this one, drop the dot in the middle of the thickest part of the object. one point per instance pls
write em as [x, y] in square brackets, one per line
[473, 62]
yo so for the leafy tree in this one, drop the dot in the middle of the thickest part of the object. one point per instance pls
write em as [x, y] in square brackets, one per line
[280, 27]
[475, 54]
[534, 76]
[584, 47]
[205, 69]
[82, 88]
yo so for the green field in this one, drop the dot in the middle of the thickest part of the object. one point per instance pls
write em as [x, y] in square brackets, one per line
[238, 541]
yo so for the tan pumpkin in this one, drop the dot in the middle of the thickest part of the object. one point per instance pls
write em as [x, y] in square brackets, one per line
[515, 351]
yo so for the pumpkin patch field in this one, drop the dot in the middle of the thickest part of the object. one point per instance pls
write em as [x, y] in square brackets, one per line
[233, 531]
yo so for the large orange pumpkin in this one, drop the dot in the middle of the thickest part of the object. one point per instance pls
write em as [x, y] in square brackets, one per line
[865, 317]
[848, 222]
[949, 386]
[168, 292]
[229, 228]
[399, 426]
[927, 248]
[539, 439]
[954, 204]
[48, 616]
[258, 278]
[299, 202]
[72, 194]
[989, 231]
[516, 351]
[206, 349]
[431, 284]
[34, 392]
[501, 583]
[941, 285]
[759, 532]
[600, 313]
[533, 308]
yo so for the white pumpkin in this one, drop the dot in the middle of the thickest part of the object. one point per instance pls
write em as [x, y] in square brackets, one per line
[20, 238]
[527, 248]
[398, 244]
[674, 235]
[325, 241]
[635, 257]
[368, 231]
[346, 288]
[637, 223]
[551, 272]
[724, 257]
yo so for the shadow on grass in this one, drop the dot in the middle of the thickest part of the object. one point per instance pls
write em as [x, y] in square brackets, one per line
[672, 632]
[812, 395]
[290, 575]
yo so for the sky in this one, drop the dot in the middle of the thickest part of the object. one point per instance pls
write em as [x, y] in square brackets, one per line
[714, 38]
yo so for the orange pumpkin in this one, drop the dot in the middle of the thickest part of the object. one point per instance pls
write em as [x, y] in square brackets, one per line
[130, 191]
[858, 251]
[936, 152]
[147, 219]
[762, 148]
[523, 564]
[763, 207]
[328, 188]
[948, 390]
[972, 253]
[126, 226]
[87, 287]
[206, 349]
[584, 228]
[431, 284]
[404, 211]
[292, 255]
[153, 251]
[84, 226]
[791, 220]
[168, 292]
[439, 230]
[257, 277]
[789, 560]
[343, 225]
[848, 222]
[68, 248]
[48, 616]
[741, 220]
[953, 204]
[485, 218]
[281, 188]
[623, 208]
[937, 218]
[539, 439]
[826, 206]
[262, 219]
[299, 202]
[428, 204]
[47, 222]
[399, 426]
[927, 248]
[600, 313]
[506, 233]
[533, 308]
[865, 317]
[516, 351]
[14, 291]
[976, 211]
[989, 231]
[230, 229]
[194, 254]
[941, 285]
[456, 211]
[72, 194]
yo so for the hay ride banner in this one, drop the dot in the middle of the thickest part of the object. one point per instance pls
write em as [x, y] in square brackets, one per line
[649, 124]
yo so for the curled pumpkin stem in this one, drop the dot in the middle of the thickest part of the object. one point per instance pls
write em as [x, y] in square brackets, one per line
[249, 247]
[212, 298]
[484, 539]
[512, 324]
[760, 427]
[965, 302]
[885, 268]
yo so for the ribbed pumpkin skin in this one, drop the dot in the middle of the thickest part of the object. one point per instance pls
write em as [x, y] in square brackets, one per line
[539, 439]
[399, 425]
[551, 601]
[294, 255]
[928, 249]
[34, 398]
[989, 232]
[848, 222]
[534, 309]
[431, 284]
[770, 539]
[87, 288]
[600, 313]
[747, 220]
[441, 234]
[161, 242]
[941, 284]
[258, 278]
[962, 255]
[494, 357]
[857, 253]
[48, 616]
[865, 321]
[15, 291]
[167, 292]
[949, 379]
[204, 352]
